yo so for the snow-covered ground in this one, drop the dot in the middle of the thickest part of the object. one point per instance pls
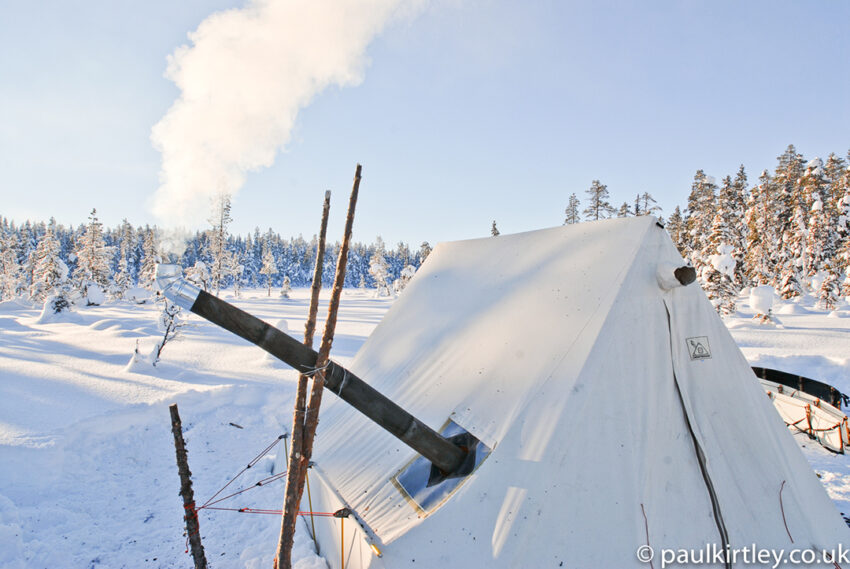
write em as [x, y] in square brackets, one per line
[811, 342]
[87, 472]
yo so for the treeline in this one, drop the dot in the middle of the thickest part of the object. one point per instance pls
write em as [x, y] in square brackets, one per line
[40, 259]
[789, 230]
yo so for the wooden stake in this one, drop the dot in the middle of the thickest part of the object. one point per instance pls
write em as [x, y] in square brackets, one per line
[311, 420]
[292, 497]
[191, 516]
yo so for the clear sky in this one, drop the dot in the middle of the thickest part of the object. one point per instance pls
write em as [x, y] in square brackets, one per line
[471, 111]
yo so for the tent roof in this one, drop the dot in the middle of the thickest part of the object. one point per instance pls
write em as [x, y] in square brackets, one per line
[560, 352]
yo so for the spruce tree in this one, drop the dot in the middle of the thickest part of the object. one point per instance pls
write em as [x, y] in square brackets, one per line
[50, 272]
[761, 240]
[217, 241]
[701, 211]
[93, 256]
[123, 278]
[599, 207]
[424, 251]
[820, 241]
[676, 229]
[730, 200]
[624, 211]
[285, 287]
[269, 265]
[829, 290]
[791, 272]
[717, 272]
[11, 276]
[494, 231]
[378, 268]
[150, 259]
[572, 212]
[835, 171]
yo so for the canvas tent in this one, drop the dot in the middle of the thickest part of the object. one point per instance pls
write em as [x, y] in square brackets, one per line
[612, 412]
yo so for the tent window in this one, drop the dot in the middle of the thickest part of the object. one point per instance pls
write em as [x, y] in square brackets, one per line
[412, 480]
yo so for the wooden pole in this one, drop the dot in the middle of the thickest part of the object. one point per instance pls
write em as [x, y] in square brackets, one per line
[311, 421]
[191, 515]
[292, 496]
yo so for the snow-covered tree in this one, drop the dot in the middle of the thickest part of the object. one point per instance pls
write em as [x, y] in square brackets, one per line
[269, 265]
[123, 279]
[11, 276]
[424, 251]
[494, 231]
[199, 274]
[93, 256]
[701, 211]
[820, 240]
[234, 268]
[150, 259]
[50, 272]
[286, 287]
[170, 323]
[572, 212]
[676, 229]
[794, 241]
[378, 269]
[717, 273]
[624, 211]
[217, 240]
[732, 199]
[842, 253]
[830, 290]
[404, 278]
[599, 206]
[761, 236]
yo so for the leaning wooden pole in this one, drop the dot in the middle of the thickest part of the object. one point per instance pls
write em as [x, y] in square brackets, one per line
[292, 495]
[311, 420]
[193, 529]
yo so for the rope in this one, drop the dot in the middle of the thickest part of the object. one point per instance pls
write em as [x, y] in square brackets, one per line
[191, 512]
[646, 527]
[310, 503]
[313, 371]
[272, 512]
[262, 482]
[782, 508]
[253, 462]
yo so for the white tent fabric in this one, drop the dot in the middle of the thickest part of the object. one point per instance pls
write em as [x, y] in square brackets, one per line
[598, 392]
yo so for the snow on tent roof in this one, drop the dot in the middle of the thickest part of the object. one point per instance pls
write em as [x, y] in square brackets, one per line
[614, 409]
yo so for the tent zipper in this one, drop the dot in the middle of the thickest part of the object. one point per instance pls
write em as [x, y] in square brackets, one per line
[715, 504]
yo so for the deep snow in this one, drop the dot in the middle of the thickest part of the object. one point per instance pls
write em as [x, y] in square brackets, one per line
[87, 474]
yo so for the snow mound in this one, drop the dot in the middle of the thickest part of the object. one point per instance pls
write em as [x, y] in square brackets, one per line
[138, 295]
[762, 298]
[14, 305]
[791, 308]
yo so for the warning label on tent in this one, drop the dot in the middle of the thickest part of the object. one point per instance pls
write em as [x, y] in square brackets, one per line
[698, 348]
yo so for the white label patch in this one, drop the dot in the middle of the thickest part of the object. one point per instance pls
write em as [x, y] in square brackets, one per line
[698, 348]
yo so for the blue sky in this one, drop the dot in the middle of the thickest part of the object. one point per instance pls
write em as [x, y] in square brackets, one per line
[470, 112]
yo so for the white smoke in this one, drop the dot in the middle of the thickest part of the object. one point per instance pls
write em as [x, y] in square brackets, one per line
[243, 80]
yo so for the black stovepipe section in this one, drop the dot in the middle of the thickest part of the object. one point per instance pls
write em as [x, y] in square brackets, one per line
[445, 455]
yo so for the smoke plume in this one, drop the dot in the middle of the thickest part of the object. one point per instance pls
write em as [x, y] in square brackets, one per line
[243, 80]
